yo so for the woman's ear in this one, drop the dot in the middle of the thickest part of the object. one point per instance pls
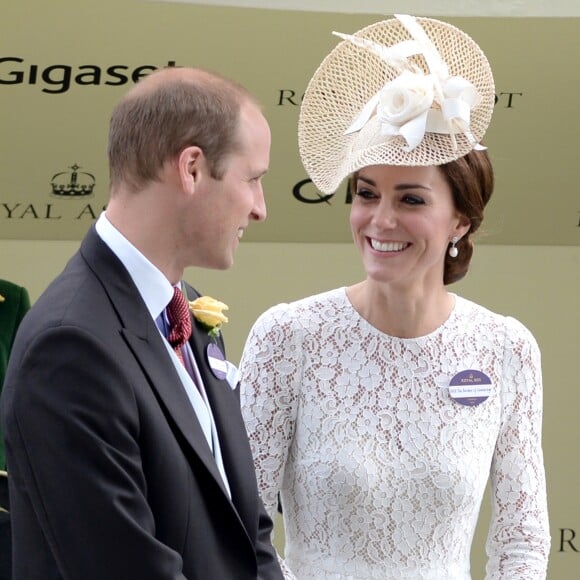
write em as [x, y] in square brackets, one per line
[462, 227]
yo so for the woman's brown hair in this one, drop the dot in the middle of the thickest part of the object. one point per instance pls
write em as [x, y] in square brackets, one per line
[471, 181]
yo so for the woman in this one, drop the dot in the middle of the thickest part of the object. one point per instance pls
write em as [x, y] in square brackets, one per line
[379, 411]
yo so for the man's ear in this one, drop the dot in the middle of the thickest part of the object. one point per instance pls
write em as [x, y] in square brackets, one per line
[190, 165]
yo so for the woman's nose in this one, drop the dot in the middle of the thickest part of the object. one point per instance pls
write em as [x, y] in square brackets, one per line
[385, 216]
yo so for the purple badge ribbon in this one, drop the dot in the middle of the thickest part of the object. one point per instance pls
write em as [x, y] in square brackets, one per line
[216, 361]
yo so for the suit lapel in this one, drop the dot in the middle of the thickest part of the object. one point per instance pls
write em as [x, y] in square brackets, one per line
[236, 453]
[144, 340]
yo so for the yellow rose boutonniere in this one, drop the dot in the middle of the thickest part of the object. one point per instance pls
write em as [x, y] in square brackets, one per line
[209, 312]
[2, 298]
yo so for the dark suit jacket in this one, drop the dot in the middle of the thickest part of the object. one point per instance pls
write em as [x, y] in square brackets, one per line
[110, 475]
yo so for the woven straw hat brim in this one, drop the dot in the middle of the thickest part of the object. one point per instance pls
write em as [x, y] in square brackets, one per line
[347, 79]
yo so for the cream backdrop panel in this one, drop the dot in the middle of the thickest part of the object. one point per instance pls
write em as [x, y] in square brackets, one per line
[63, 65]
[527, 263]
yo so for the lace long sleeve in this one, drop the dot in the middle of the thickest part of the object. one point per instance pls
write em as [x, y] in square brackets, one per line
[518, 541]
[270, 377]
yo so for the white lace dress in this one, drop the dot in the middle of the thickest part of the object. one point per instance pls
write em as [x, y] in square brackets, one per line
[381, 471]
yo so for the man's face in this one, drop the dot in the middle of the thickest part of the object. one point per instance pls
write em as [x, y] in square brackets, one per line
[224, 208]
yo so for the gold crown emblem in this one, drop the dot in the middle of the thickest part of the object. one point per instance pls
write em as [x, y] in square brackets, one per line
[73, 183]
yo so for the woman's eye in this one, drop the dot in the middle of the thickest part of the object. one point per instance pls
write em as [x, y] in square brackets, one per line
[365, 194]
[413, 200]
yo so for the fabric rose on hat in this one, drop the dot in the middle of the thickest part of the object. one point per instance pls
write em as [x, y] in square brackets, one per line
[404, 105]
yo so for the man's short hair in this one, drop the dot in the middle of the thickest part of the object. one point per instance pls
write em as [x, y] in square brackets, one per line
[167, 112]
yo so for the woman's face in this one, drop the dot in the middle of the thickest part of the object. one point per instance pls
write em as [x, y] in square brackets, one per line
[402, 220]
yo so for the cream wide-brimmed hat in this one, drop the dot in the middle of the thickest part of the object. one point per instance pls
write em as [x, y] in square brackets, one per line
[404, 91]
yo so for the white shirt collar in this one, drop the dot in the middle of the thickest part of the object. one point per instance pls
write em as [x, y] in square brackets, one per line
[154, 287]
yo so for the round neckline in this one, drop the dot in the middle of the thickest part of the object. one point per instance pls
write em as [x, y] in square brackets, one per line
[363, 321]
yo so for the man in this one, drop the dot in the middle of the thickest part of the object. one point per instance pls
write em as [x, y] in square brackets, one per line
[128, 459]
[14, 303]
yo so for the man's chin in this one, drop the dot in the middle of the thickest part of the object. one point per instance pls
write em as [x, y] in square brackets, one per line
[217, 264]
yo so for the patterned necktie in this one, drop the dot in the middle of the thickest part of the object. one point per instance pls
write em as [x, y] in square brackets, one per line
[180, 321]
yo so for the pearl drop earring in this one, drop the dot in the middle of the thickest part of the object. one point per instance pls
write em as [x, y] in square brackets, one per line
[453, 250]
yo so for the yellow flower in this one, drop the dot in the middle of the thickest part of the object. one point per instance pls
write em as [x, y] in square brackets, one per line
[209, 312]
[2, 298]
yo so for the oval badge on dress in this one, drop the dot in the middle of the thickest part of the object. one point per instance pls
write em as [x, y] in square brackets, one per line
[470, 387]
[217, 361]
